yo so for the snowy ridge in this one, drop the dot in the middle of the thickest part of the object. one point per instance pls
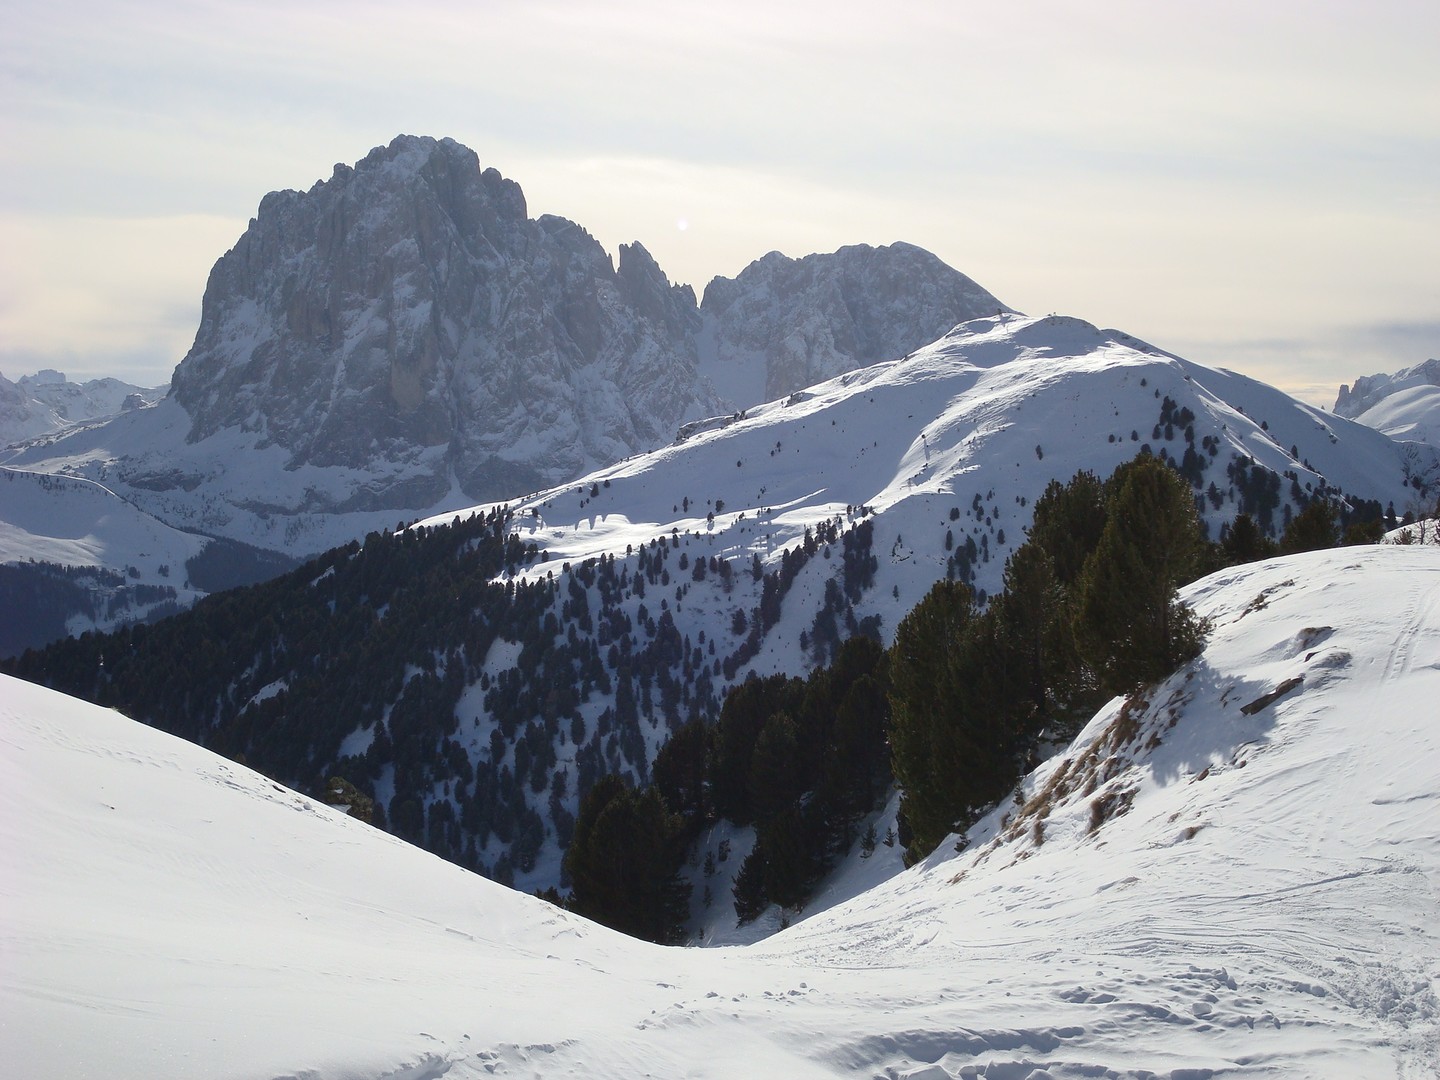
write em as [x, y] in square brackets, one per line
[1255, 898]
[996, 409]
[120, 564]
[80, 522]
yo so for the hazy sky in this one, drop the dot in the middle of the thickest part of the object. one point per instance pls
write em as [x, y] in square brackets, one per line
[1253, 185]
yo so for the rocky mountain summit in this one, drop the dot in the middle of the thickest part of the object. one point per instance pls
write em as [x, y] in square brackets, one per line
[784, 324]
[408, 311]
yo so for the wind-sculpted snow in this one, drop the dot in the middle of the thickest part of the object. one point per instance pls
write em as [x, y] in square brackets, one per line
[1194, 889]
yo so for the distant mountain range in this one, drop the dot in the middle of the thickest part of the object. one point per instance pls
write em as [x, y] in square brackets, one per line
[47, 402]
[1405, 405]
[402, 341]
[407, 325]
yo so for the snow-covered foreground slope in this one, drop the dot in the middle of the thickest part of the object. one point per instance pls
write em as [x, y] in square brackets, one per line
[1258, 899]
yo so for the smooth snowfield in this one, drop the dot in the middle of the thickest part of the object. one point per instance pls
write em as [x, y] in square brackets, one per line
[1264, 907]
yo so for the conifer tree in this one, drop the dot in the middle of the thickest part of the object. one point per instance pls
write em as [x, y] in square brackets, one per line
[1068, 521]
[1245, 543]
[624, 861]
[775, 781]
[953, 743]
[679, 773]
[1129, 624]
[1313, 529]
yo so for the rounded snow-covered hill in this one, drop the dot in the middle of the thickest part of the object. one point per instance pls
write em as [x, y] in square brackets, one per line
[1233, 875]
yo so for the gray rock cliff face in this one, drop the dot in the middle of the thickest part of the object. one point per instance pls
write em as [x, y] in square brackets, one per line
[409, 303]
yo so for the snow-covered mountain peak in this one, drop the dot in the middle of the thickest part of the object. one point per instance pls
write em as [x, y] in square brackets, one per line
[1369, 390]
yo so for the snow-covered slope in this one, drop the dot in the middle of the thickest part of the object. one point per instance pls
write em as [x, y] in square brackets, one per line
[1405, 405]
[1411, 414]
[81, 523]
[77, 557]
[1216, 882]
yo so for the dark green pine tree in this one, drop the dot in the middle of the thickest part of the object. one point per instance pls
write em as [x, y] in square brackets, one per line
[953, 742]
[1068, 521]
[747, 707]
[1245, 543]
[791, 865]
[775, 780]
[679, 773]
[749, 888]
[1129, 624]
[624, 862]
[1313, 529]
[857, 766]
[1027, 615]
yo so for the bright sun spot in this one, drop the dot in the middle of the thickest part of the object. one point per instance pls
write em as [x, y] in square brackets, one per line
[681, 224]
